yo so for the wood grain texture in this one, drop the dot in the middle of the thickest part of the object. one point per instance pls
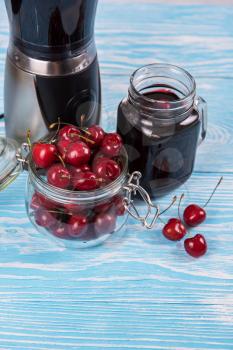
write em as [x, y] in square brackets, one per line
[197, 37]
[137, 291]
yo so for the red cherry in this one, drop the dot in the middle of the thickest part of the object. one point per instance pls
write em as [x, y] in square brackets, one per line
[90, 234]
[194, 215]
[112, 144]
[96, 157]
[62, 146]
[69, 133]
[85, 181]
[35, 202]
[84, 168]
[77, 225]
[105, 223]
[76, 170]
[75, 208]
[59, 176]
[44, 155]
[95, 134]
[106, 169]
[44, 218]
[196, 246]
[60, 230]
[43, 201]
[119, 205]
[174, 230]
[103, 207]
[39, 201]
[78, 153]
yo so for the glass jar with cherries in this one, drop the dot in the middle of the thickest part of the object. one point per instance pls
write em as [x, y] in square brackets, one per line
[79, 192]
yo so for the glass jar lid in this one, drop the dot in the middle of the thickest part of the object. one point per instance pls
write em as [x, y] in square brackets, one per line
[10, 166]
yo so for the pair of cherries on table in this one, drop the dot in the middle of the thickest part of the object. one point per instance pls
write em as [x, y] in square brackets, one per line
[193, 215]
[78, 159]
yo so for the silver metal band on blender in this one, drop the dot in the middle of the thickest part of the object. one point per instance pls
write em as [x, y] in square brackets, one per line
[67, 66]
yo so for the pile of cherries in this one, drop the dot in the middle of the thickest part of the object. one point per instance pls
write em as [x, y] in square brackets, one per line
[193, 215]
[78, 159]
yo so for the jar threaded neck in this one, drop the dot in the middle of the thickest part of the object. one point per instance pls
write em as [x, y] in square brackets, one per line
[162, 77]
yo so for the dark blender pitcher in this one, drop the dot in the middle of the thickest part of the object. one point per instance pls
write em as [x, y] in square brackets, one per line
[52, 68]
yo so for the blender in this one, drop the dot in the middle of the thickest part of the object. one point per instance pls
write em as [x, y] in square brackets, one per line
[52, 70]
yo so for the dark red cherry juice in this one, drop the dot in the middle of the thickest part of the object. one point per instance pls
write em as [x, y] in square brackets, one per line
[162, 150]
[163, 95]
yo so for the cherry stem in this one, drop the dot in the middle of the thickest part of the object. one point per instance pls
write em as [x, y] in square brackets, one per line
[86, 139]
[29, 138]
[86, 131]
[179, 205]
[82, 118]
[61, 160]
[171, 204]
[58, 127]
[56, 211]
[213, 192]
[58, 124]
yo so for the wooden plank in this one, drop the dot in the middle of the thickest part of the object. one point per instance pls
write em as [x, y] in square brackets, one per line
[176, 2]
[138, 291]
[114, 326]
[30, 264]
[197, 37]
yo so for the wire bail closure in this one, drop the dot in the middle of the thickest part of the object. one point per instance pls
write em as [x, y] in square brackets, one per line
[22, 155]
[132, 188]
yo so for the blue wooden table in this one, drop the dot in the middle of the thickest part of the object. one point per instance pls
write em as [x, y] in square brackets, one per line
[140, 291]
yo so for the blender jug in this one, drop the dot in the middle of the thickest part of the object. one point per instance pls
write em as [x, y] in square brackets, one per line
[52, 69]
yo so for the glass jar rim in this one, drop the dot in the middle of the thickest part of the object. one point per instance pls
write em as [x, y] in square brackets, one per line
[167, 66]
[64, 196]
